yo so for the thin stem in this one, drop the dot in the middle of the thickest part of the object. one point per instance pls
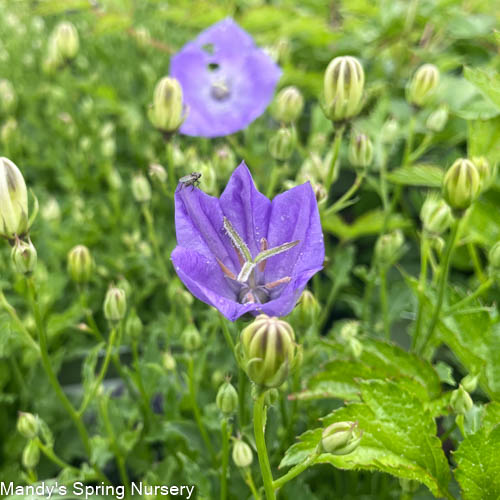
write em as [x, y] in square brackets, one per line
[140, 384]
[424, 250]
[225, 432]
[250, 483]
[47, 365]
[483, 287]
[476, 262]
[170, 163]
[295, 471]
[384, 302]
[447, 434]
[340, 203]
[339, 133]
[242, 390]
[275, 174]
[148, 217]
[260, 441]
[227, 334]
[409, 141]
[195, 408]
[49, 453]
[421, 149]
[443, 279]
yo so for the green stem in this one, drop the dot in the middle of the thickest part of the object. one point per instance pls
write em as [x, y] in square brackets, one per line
[409, 141]
[227, 334]
[447, 434]
[148, 216]
[170, 164]
[260, 441]
[476, 262]
[424, 248]
[421, 149]
[148, 414]
[384, 302]
[340, 203]
[47, 365]
[49, 453]
[295, 471]
[249, 481]
[339, 133]
[275, 174]
[225, 432]
[443, 279]
[195, 408]
[483, 287]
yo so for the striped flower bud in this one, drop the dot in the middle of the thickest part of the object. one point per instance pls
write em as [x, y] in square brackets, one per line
[242, 454]
[461, 185]
[288, 105]
[341, 438]
[115, 304]
[435, 215]
[360, 151]
[80, 264]
[227, 398]
[166, 113]
[423, 85]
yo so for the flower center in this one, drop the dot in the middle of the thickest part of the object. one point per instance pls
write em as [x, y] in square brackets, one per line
[220, 90]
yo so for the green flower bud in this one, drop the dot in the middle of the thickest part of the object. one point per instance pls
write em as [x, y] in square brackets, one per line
[157, 172]
[494, 256]
[282, 144]
[224, 159]
[242, 454]
[388, 247]
[168, 361]
[9, 132]
[320, 192]
[66, 41]
[8, 97]
[460, 401]
[28, 425]
[134, 326]
[437, 119]
[487, 174]
[269, 351]
[288, 105]
[209, 177]
[360, 151]
[31, 455]
[469, 382]
[23, 256]
[191, 338]
[349, 330]
[343, 88]
[141, 189]
[217, 378]
[307, 310]
[13, 201]
[355, 346]
[115, 304]
[435, 215]
[423, 85]
[227, 399]
[340, 438]
[142, 36]
[166, 113]
[80, 264]
[461, 185]
[390, 131]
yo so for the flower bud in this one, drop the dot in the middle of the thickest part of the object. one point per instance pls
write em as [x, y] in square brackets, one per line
[288, 105]
[115, 304]
[142, 36]
[8, 98]
[461, 185]
[227, 399]
[242, 454]
[31, 455]
[360, 151]
[320, 192]
[343, 86]
[9, 132]
[269, 351]
[282, 144]
[191, 338]
[23, 256]
[460, 401]
[134, 326]
[157, 172]
[168, 361]
[141, 189]
[388, 247]
[80, 264]
[355, 346]
[28, 425]
[223, 159]
[13, 201]
[494, 256]
[435, 215]
[349, 330]
[340, 438]
[209, 177]
[423, 85]
[487, 174]
[469, 382]
[307, 310]
[66, 41]
[437, 119]
[390, 131]
[166, 113]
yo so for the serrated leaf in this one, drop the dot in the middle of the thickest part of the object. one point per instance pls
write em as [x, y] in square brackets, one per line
[417, 175]
[445, 373]
[484, 139]
[478, 467]
[488, 83]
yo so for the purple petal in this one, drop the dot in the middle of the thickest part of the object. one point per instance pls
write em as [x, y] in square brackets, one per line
[295, 216]
[246, 208]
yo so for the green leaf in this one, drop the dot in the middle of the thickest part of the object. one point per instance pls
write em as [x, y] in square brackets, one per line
[488, 83]
[399, 437]
[417, 175]
[89, 365]
[445, 373]
[478, 467]
[484, 139]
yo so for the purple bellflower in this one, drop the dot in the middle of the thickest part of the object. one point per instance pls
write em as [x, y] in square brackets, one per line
[243, 253]
[227, 81]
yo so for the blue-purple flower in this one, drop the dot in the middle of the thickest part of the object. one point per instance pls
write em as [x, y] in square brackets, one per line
[243, 253]
[227, 81]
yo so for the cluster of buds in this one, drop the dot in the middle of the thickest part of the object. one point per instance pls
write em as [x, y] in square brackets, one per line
[340, 438]
[461, 185]
[360, 151]
[343, 87]
[167, 111]
[423, 85]
[269, 351]
[63, 46]
[282, 143]
[288, 105]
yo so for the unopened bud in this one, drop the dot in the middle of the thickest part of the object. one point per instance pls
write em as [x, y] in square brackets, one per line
[460, 401]
[23, 256]
[343, 88]
[115, 304]
[66, 41]
[349, 330]
[142, 36]
[134, 326]
[8, 98]
[437, 119]
[288, 105]
[80, 264]
[168, 361]
[9, 132]
[31, 455]
[227, 399]
[320, 192]
[223, 159]
[469, 382]
[355, 346]
[242, 454]
[435, 215]
[390, 131]
[423, 85]
[209, 176]
[360, 151]
[141, 189]
[166, 112]
[269, 351]
[487, 173]
[461, 185]
[191, 338]
[282, 144]
[388, 247]
[28, 425]
[307, 310]
[13, 201]
[157, 172]
[340, 438]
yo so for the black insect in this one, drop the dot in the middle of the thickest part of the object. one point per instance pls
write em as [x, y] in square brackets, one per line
[192, 179]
